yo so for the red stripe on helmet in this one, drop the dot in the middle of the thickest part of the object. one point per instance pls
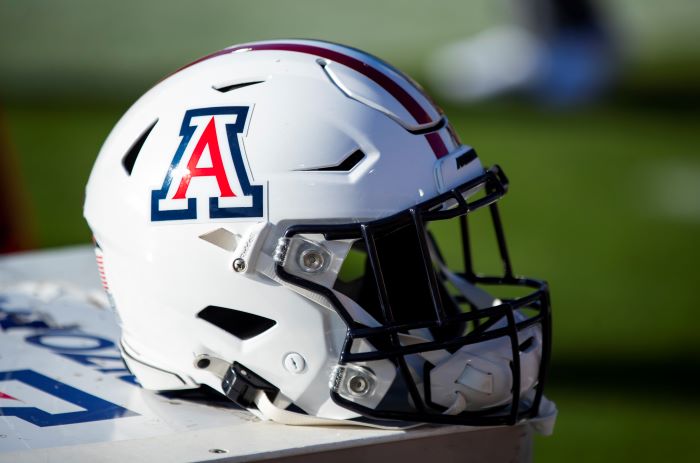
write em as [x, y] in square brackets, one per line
[437, 144]
[387, 83]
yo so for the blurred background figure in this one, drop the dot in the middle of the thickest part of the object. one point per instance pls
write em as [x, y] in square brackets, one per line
[560, 52]
[15, 234]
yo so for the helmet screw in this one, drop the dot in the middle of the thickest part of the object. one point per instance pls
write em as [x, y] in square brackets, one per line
[238, 264]
[358, 385]
[294, 363]
[311, 261]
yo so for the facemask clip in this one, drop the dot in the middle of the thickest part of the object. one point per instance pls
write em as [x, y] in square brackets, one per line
[237, 382]
[242, 386]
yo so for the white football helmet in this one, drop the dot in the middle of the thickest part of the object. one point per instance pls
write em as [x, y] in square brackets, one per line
[271, 220]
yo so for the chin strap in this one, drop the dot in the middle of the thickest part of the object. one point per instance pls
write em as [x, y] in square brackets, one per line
[458, 406]
[271, 412]
[543, 424]
[251, 391]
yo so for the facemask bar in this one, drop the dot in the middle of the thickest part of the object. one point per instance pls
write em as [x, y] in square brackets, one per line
[451, 204]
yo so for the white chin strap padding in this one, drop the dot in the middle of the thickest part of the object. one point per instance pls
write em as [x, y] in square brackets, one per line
[271, 412]
[477, 380]
[481, 372]
[458, 406]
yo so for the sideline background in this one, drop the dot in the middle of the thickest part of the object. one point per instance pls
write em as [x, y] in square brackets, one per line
[615, 185]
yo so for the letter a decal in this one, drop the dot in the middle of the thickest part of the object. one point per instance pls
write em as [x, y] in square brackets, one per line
[208, 139]
[207, 177]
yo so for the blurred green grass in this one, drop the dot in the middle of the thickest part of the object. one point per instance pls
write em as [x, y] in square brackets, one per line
[614, 426]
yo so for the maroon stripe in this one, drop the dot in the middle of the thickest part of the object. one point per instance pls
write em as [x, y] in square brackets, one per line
[436, 143]
[394, 89]
[402, 96]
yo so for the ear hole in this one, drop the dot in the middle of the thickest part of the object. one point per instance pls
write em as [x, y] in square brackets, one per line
[130, 157]
[243, 325]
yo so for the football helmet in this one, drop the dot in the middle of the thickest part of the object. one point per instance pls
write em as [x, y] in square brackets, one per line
[287, 222]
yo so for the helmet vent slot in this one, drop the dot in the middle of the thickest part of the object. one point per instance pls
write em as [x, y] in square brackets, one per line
[228, 88]
[243, 325]
[345, 166]
[527, 344]
[129, 158]
[465, 158]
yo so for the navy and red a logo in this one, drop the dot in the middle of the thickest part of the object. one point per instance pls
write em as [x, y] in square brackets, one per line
[208, 170]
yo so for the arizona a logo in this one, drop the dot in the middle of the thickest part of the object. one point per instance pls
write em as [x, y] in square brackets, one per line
[207, 177]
